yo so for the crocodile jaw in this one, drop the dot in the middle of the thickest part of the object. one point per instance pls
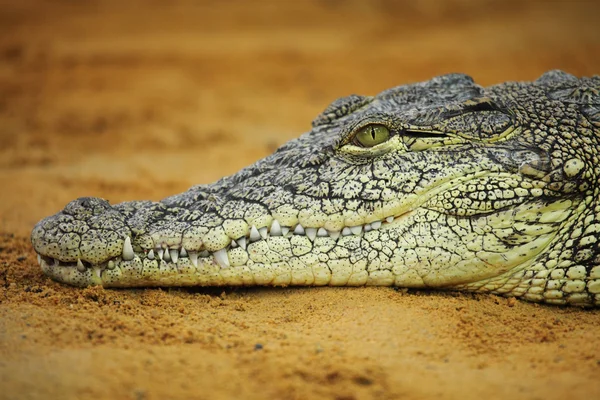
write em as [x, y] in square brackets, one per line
[394, 250]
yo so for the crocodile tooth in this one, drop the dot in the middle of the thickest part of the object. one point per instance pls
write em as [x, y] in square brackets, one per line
[56, 262]
[275, 228]
[311, 233]
[204, 253]
[193, 257]
[167, 255]
[174, 255]
[80, 266]
[233, 244]
[221, 258]
[299, 230]
[127, 250]
[110, 265]
[183, 252]
[150, 255]
[254, 235]
[334, 234]
[389, 219]
[356, 229]
[264, 233]
[39, 258]
[367, 227]
[285, 230]
[242, 242]
[376, 224]
[346, 231]
[98, 272]
[161, 253]
[322, 232]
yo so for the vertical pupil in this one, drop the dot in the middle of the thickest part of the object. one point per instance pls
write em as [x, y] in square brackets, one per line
[373, 133]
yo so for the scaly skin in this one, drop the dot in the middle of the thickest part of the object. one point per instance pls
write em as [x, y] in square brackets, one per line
[479, 189]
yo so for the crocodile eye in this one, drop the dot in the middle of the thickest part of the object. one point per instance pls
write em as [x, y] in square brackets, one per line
[371, 135]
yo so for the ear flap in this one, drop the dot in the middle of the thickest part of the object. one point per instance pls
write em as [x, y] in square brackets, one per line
[528, 161]
[340, 108]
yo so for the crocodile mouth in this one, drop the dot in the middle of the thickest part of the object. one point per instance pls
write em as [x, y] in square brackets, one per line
[179, 257]
[220, 258]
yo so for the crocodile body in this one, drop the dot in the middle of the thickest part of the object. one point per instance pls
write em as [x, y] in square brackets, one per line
[439, 184]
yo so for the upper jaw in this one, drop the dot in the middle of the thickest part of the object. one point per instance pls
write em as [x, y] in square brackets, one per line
[132, 246]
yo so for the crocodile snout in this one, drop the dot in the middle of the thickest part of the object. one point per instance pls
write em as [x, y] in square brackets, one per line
[87, 230]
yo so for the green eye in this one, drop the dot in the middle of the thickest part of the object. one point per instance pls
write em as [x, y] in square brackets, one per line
[371, 135]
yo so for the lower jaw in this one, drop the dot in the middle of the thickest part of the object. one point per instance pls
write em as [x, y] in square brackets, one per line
[140, 273]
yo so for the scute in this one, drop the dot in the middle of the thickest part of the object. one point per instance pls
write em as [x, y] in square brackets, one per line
[567, 88]
[453, 80]
[557, 77]
[341, 107]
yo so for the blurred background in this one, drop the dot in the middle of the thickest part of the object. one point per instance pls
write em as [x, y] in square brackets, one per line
[142, 99]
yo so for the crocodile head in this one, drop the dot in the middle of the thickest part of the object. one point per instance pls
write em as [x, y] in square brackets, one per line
[436, 184]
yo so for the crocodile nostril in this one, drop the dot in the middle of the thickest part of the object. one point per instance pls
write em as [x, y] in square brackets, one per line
[87, 206]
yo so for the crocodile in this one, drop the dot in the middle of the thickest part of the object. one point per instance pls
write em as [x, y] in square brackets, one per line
[439, 184]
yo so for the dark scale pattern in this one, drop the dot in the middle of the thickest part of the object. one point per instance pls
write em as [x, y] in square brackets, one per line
[482, 189]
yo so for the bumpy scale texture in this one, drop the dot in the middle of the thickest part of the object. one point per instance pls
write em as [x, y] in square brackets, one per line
[478, 189]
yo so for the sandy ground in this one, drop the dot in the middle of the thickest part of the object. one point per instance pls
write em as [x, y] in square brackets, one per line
[141, 100]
